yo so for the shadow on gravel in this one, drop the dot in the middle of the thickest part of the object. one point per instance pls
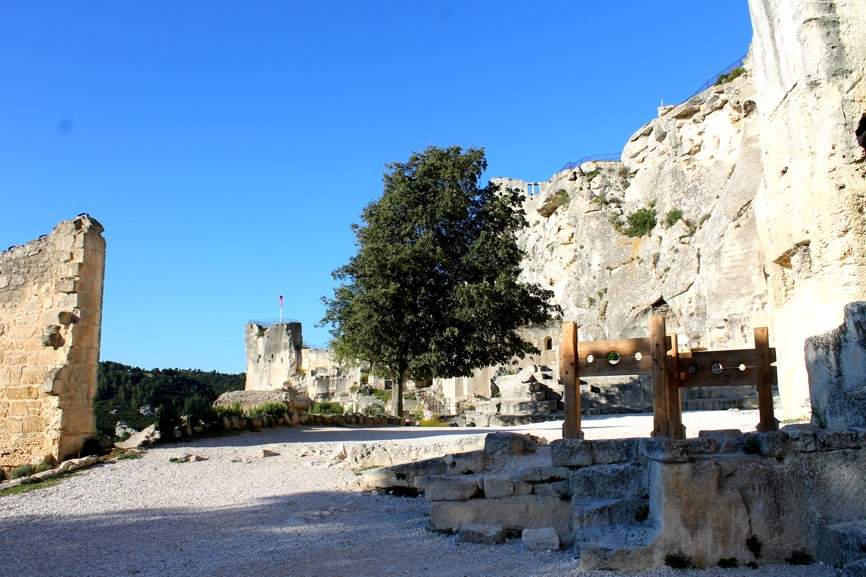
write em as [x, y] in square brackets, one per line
[310, 534]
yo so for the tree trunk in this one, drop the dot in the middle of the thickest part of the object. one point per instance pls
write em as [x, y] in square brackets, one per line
[401, 377]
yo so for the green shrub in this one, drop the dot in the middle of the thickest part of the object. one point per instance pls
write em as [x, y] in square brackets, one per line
[672, 217]
[233, 410]
[728, 563]
[641, 221]
[562, 197]
[374, 410]
[272, 408]
[729, 76]
[754, 545]
[198, 410]
[432, 422]
[167, 421]
[678, 560]
[384, 396]
[326, 408]
[800, 557]
[22, 471]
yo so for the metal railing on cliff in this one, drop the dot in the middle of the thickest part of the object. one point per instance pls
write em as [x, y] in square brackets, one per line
[715, 78]
[609, 157]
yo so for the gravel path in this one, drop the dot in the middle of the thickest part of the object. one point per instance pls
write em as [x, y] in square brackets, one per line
[293, 514]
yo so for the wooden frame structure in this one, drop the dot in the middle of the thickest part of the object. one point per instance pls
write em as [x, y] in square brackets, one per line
[659, 357]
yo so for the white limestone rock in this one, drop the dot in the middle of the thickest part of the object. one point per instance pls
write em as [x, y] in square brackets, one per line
[542, 539]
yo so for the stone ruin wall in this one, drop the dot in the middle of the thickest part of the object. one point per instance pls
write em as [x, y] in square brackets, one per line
[273, 355]
[50, 326]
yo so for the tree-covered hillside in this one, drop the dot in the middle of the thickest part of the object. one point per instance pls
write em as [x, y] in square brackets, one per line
[133, 395]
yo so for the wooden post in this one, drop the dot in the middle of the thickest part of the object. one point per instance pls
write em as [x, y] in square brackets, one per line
[765, 381]
[675, 406]
[658, 351]
[570, 381]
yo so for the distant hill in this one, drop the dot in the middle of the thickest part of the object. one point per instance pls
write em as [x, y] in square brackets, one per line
[132, 394]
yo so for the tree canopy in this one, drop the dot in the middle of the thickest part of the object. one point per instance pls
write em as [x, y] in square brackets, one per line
[433, 290]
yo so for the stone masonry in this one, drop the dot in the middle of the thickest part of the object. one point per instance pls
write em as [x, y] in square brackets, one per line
[50, 325]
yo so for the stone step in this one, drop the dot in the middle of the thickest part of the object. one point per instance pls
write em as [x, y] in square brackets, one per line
[595, 512]
[842, 543]
[609, 481]
[625, 547]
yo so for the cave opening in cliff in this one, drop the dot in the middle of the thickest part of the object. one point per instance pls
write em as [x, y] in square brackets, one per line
[860, 133]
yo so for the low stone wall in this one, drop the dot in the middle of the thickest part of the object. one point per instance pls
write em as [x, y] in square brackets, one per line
[626, 504]
[50, 324]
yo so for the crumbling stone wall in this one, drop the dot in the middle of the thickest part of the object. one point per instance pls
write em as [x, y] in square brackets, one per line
[50, 325]
[273, 355]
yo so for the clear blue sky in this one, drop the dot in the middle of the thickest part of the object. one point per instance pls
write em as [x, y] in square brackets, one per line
[228, 146]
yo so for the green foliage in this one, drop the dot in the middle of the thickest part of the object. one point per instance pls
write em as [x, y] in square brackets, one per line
[672, 217]
[27, 487]
[232, 410]
[729, 76]
[198, 409]
[562, 197]
[326, 408]
[167, 420]
[374, 410]
[641, 221]
[432, 422]
[22, 471]
[728, 563]
[754, 545]
[384, 396]
[122, 390]
[800, 557]
[271, 408]
[433, 290]
[678, 560]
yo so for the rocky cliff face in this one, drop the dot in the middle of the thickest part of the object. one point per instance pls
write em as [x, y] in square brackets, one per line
[758, 189]
[810, 74]
[696, 168]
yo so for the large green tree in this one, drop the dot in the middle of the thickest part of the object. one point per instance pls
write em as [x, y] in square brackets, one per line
[433, 290]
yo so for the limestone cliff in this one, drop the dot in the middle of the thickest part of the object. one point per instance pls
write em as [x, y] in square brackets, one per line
[758, 189]
[697, 168]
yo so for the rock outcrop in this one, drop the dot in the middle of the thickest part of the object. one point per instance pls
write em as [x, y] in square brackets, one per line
[810, 74]
[741, 207]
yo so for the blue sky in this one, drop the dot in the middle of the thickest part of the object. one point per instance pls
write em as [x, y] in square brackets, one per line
[228, 146]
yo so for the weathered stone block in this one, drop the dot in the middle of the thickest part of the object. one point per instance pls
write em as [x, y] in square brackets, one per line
[513, 513]
[774, 443]
[542, 539]
[835, 440]
[497, 487]
[556, 488]
[496, 444]
[464, 463]
[450, 488]
[571, 453]
[543, 474]
[609, 481]
[703, 446]
[609, 451]
[485, 534]
[665, 450]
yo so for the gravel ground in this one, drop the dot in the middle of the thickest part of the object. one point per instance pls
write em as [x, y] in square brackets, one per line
[293, 514]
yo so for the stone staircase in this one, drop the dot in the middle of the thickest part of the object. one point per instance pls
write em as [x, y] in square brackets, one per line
[610, 511]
